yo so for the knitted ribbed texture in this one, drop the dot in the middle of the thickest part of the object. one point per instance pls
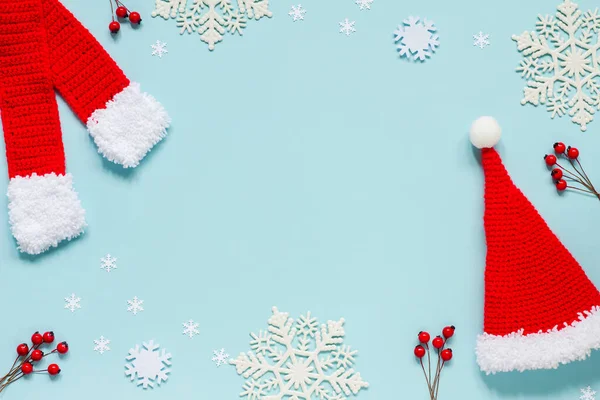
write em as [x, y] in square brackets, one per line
[43, 47]
[532, 282]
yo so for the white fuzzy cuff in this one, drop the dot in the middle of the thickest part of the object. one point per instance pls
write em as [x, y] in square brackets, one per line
[543, 350]
[130, 125]
[43, 211]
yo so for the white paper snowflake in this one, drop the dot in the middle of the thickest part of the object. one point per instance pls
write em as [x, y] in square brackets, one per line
[587, 394]
[299, 360]
[211, 19]
[101, 345]
[159, 49]
[416, 38]
[135, 306]
[364, 4]
[72, 302]
[190, 328]
[297, 13]
[347, 27]
[220, 357]
[148, 364]
[561, 63]
[108, 263]
[481, 40]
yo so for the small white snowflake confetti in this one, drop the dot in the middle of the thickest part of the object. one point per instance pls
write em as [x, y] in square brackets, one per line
[299, 360]
[190, 328]
[159, 49]
[72, 302]
[108, 263]
[480, 40]
[135, 306]
[148, 365]
[364, 4]
[416, 38]
[297, 13]
[220, 357]
[101, 345]
[347, 27]
[587, 394]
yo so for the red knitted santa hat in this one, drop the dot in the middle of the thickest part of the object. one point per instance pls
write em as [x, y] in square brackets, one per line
[541, 310]
[45, 48]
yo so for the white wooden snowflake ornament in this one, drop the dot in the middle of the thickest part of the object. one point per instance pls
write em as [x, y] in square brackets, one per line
[101, 345]
[347, 27]
[211, 19]
[561, 63]
[587, 394]
[135, 305]
[108, 263]
[148, 365]
[299, 360]
[416, 38]
[72, 302]
[297, 13]
[481, 40]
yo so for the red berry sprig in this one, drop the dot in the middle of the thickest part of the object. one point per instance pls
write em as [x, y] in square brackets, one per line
[122, 12]
[28, 357]
[444, 355]
[562, 176]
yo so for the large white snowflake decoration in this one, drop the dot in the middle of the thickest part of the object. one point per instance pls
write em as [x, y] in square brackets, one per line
[587, 394]
[298, 360]
[148, 364]
[211, 19]
[562, 64]
[416, 38]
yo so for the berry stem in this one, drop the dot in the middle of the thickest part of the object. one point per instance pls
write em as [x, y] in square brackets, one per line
[426, 379]
[574, 176]
[437, 389]
[428, 365]
[112, 10]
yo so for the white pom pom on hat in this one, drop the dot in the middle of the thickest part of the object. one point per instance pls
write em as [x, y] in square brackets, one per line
[485, 132]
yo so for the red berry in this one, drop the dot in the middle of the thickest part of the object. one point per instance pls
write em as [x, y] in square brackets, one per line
[572, 153]
[556, 174]
[53, 369]
[114, 26]
[121, 12]
[48, 337]
[561, 185]
[37, 339]
[559, 147]
[446, 354]
[62, 347]
[419, 351]
[437, 342]
[135, 17]
[22, 349]
[37, 355]
[424, 337]
[26, 368]
[550, 159]
[448, 331]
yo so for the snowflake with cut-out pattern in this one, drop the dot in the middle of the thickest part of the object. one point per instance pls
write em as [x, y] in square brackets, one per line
[211, 19]
[587, 394]
[562, 64]
[299, 359]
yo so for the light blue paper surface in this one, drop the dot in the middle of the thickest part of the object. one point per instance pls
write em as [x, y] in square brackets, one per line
[306, 170]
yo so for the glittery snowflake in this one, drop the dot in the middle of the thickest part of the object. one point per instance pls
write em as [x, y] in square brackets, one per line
[299, 360]
[587, 394]
[297, 13]
[220, 357]
[364, 4]
[135, 306]
[211, 19]
[159, 49]
[190, 328]
[101, 345]
[108, 263]
[481, 40]
[561, 63]
[416, 38]
[148, 364]
[347, 27]
[72, 302]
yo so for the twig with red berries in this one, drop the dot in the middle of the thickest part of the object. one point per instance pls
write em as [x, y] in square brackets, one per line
[444, 355]
[28, 356]
[561, 175]
[122, 12]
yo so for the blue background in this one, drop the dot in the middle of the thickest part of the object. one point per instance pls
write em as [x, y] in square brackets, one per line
[307, 170]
